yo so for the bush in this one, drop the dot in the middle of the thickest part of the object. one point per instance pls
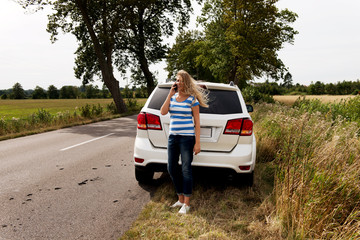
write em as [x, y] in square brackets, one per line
[252, 94]
[85, 111]
[132, 104]
[112, 108]
[97, 110]
[3, 126]
[44, 116]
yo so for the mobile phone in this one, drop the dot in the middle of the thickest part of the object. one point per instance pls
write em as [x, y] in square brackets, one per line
[175, 85]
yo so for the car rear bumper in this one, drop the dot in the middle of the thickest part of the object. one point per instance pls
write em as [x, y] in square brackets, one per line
[156, 158]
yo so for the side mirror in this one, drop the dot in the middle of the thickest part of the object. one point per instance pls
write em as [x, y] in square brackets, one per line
[249, 108]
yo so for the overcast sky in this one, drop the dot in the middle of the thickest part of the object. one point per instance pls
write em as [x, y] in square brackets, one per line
[327, 48]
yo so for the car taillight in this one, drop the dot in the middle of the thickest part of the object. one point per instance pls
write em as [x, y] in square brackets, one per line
[242, 127]
[247, 128]
[141, 121]
[148, 121]
[233, 126]
[153, 121]
[139, 160]
[244, 168]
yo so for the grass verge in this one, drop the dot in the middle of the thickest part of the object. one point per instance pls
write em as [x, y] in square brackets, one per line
[44, 120]
[306, 184]
[318, 167]
[11, 108]
[220, 210]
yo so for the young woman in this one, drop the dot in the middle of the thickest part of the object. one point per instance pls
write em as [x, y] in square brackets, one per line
[183, 102]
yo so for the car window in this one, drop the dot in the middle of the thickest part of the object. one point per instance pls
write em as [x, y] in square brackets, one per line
[158, 98]
[220, 101]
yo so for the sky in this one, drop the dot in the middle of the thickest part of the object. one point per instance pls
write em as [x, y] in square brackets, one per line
[327, 48]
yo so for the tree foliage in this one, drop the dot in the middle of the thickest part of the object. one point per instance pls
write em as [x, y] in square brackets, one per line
[18, 92]
[115, 34]
[241, 40]
[184, 55]
[69, 92]
[39, 93]
[317, 88]
[53, 92]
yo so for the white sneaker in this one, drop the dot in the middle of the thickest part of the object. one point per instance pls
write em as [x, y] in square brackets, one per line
[177, 204]
[184, 209]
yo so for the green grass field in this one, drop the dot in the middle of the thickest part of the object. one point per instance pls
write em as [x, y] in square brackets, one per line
[24, 108]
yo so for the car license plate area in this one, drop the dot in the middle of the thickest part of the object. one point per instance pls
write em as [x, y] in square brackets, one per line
[205, 132]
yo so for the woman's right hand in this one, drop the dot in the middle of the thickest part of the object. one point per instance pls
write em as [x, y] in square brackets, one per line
[165, 107]
[173, 90]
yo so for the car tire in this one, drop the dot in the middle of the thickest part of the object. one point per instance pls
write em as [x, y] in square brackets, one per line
[246, 179]
[143, 175]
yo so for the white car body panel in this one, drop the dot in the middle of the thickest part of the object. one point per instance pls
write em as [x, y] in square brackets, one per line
[217, 149]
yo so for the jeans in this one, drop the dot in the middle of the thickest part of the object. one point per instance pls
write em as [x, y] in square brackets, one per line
[181, 175]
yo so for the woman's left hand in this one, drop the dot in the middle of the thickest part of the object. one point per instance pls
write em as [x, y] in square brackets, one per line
[196, 148]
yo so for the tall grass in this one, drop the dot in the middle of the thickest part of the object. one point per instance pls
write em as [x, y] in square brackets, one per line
[317, 185]
[312, 157]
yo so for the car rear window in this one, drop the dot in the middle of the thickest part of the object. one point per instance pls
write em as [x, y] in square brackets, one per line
[220, 101]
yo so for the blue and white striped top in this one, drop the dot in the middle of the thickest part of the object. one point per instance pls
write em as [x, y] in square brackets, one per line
[181, 119]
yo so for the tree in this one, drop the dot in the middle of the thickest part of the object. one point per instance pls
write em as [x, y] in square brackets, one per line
[184, 55]
[69, 92]
[246, 35]
[330, 89]
[53, 92]
[317, 89]
[91, 91]
[105, 92]
[127, 92]
[18, 91]
[287, 81]
[148, 22]
[115, 34]
[39, 93]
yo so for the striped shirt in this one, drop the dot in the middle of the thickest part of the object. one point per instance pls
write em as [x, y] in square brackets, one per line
[181, 119]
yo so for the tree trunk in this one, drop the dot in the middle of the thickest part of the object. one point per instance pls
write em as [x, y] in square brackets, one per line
[148, 75]
[233, 75]
[113, 85]
[238, 78]
[144, 65]
[105, 65]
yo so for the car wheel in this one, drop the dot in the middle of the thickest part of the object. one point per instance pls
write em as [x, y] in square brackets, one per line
[143, 175]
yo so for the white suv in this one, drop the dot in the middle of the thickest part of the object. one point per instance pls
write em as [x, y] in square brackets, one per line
[226, 136]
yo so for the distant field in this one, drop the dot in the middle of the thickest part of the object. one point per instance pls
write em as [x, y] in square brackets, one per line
[24, 108]
[290, 99]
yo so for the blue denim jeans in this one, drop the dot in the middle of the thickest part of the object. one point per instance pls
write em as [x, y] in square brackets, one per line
[181, 176]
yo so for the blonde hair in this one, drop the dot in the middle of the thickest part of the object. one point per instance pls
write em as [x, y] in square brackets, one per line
[193, 89]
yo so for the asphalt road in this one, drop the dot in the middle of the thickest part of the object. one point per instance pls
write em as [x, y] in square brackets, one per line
[73, 183]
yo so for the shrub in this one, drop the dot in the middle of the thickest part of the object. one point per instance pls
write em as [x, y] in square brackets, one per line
[85, 111]
[252, 94]
[112, 108]
[97, 110]
[3, 126]
[132, 104]
[44, 116]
